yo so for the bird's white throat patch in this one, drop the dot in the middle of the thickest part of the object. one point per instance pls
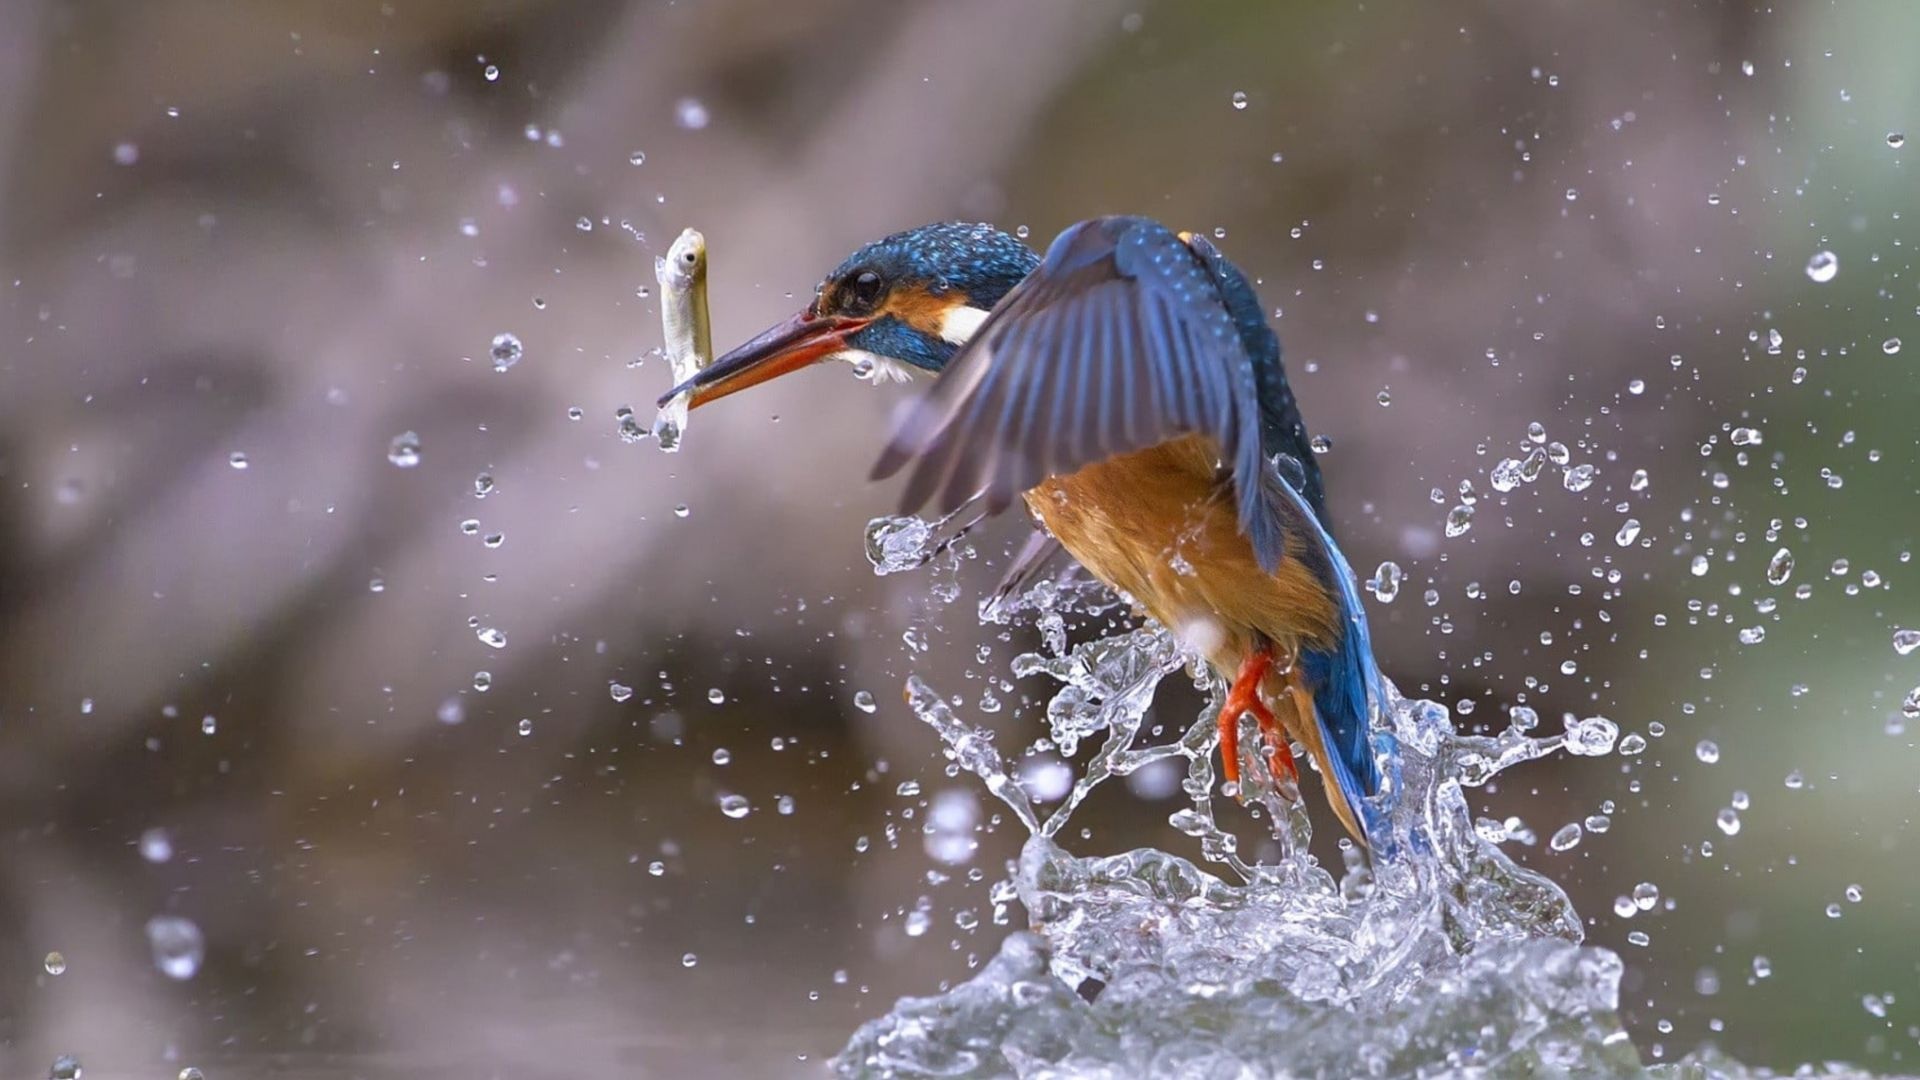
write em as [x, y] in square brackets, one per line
[958, 323]
[875, 368]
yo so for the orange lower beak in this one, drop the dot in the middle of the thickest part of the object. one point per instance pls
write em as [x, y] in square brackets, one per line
[788, 346]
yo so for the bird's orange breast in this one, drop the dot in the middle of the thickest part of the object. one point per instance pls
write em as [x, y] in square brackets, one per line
[1160, 526]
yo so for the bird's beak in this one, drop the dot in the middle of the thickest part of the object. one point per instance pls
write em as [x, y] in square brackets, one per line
[788, 346]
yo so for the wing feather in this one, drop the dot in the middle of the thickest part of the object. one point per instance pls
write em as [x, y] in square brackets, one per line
[1119, 341]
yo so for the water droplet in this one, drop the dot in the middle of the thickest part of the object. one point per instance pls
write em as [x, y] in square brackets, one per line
[1762, 967]
[1746, 436]
[1891, 346]
[657, 868]
[451, 711]
[1320, 444]
[1823, 267]
[491, 636]
[1796, 780]
[1459, 520]
[1746, 68]
[506, 351]
[619, 691]
[1853, 894]
[524, 727]
[483, 681]
[863, 700]
[690, 114]
[491, 74]
[55, 963]
[735, 806]
[1780, 567]
[190, 1073]
[404, 450]
[717, 696]
[1708, 751]
[908, 789]
[1905, 641]
[1385, 398]
[1567, 838]
[1896, 140]
[156, 845]
[722, 756]
[237, 460]
[1239, 99]
[1646, 895]
[681, 510]
[1753, 635]
[1624, 907]
[1578, 478]
[1833, 911]
[689, 960]
[784, 804]
[1632, 744]
[1506, 475]
[638, 157]
[1728, 820]
[1592, 736]
[65, 1067]
[1629, 532]
[583, 223]
[1910, 707]
[209, 725]
[178, 946]
[1386, 582]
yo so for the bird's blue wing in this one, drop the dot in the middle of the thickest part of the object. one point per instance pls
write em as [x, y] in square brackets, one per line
[1118, 341]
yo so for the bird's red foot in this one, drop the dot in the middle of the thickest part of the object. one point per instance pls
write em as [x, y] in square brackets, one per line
[1242, 698]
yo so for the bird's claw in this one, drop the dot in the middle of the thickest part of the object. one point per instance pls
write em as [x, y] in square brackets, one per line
[1242, 698]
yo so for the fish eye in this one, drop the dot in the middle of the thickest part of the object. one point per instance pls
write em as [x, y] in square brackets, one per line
[689, 258]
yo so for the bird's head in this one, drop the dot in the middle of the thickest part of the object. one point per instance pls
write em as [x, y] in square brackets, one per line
[904, 302]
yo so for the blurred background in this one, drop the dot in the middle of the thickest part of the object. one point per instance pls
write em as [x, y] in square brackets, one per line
[392, 700]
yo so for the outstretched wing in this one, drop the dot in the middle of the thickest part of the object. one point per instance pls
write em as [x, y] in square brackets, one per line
[1118, 341]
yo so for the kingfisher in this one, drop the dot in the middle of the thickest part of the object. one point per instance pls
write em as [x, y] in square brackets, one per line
[1128, 387]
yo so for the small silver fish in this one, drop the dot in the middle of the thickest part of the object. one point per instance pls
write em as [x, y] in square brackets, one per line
[684, 325]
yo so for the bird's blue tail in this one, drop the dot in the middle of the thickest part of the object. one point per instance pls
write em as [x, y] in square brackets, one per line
[1346, 684]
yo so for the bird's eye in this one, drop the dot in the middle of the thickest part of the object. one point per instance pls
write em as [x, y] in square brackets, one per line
[864, 289]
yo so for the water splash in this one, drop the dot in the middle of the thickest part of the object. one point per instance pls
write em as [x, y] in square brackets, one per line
[1444, 957]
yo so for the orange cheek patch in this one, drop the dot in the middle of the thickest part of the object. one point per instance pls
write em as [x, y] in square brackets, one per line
[921, 309]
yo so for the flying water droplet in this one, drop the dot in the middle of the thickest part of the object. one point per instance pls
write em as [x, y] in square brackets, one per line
[1592, 736]
[1567, 838]
[65, 1067]
[404, 450]
[1780, 567]
[1728, 820]
[55, 963]
[1910, 706]
[491, 636]
[524, 727]
[619, 691]
[863, 700]
[1891, 346]
[1896, 140]
[1386, 582]
[1578, 478]
[1708, 751]
[1905, 641]
[1823, 266]
[156, 845]
[178, 946]
[1746, 436]
[735, 806]
[1239, 99]
[690, 113]
[1459, 520]
[1505, 476]
[1629, 532]
[506, 351]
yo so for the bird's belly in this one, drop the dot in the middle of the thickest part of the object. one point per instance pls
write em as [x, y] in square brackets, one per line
[1160, 526]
